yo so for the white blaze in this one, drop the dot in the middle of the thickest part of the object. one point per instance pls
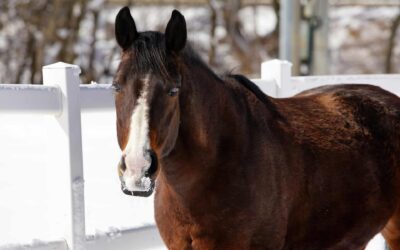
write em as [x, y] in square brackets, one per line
[137, 158]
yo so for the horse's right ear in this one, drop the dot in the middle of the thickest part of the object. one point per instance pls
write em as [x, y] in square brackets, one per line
[125, 28]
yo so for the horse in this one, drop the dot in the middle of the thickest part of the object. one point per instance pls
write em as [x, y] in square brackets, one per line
[233, 168]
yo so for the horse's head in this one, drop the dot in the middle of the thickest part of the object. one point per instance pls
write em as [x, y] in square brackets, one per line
[147, 85]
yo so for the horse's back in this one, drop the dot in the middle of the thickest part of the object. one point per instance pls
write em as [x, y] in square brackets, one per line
[347, 109]
[370, 112]
[344, 143]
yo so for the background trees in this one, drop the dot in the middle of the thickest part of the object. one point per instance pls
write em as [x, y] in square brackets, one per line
[230, 35]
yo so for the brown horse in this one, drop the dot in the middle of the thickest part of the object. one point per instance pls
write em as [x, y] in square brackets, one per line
[235, 169]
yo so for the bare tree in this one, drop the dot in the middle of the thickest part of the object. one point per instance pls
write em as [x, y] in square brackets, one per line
[391, 43]
[249, 50]
[44, 25]
[72, 25]
[212, 4]
[34, 33]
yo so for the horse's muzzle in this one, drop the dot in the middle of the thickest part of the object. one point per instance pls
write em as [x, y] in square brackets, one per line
[138, 193]
[150, 172]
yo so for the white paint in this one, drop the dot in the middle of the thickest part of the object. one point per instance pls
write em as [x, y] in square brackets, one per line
[46, 99]
[137, 158]
[69, 166]
[278, 70]
[28, 98]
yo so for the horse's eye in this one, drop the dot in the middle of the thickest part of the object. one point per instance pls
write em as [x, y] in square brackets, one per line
[173, 91]
[116, 87]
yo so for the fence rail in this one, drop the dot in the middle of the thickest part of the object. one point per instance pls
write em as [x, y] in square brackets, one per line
[23, 98]
[64, 97]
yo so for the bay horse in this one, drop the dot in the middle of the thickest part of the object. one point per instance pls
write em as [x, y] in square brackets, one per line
[233, 168]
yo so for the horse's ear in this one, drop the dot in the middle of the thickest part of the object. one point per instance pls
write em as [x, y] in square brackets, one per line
[125, 28]
[175, 33]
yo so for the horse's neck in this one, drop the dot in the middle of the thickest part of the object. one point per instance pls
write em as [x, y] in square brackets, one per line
[208, 121]
[204, 110]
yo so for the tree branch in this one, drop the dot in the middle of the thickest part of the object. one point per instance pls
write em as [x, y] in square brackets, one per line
[391, 44]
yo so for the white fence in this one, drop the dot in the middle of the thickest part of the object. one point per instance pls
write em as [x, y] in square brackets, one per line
[64, 97]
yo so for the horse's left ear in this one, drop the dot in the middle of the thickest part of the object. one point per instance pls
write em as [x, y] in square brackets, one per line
[175, 33]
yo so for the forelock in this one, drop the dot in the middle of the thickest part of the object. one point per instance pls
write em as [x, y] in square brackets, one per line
[150, 54]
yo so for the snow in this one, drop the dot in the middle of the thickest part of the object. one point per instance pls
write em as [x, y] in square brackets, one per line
[260, 21]
[32, 211]
[78, 197]
[96, 4]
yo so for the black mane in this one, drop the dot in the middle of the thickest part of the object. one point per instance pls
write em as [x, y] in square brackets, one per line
[253, 88]
[250, 86]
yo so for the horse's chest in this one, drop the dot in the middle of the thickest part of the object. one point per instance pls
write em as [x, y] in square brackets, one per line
[182, 234]
[189, 237]
[210, 229]
[178, 233]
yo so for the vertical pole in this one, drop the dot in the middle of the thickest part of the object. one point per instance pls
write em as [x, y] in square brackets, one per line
[68, 170]
[280, 71]
[321, 51]
[289, 38]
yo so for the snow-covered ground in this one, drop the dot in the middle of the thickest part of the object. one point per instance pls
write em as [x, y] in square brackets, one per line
[30, 204]
[29, 198]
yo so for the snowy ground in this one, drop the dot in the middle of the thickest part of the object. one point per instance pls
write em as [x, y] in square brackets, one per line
[30, 203]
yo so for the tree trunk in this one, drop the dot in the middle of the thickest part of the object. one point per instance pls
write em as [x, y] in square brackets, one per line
[213, 24]
[391, 44]
[67, 53]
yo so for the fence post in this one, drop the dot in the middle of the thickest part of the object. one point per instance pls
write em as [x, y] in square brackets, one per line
[69, 168]
[280, 71]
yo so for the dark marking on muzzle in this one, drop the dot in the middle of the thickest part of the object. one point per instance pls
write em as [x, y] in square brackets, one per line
[153, 166]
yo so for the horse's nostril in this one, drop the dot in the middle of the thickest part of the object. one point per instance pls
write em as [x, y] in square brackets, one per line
[122, 165]
[154, 164]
